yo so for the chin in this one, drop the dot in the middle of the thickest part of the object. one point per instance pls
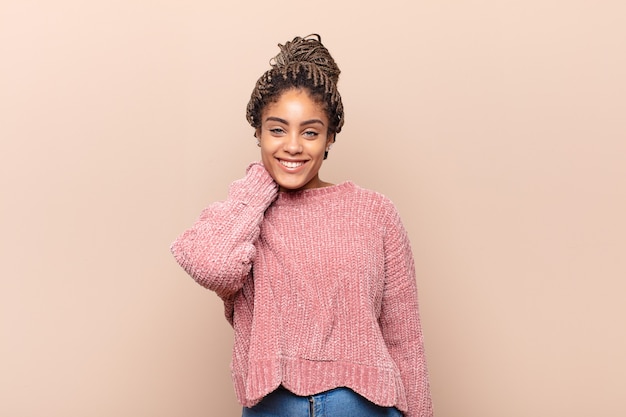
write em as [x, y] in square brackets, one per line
[290, 187]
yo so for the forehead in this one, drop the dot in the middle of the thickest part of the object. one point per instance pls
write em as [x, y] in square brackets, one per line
[295, 103]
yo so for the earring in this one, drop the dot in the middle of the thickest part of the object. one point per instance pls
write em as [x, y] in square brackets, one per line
[328, 147]
[258, 143]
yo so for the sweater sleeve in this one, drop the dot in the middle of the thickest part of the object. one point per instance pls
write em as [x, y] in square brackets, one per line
[400, 321]
[217, 251]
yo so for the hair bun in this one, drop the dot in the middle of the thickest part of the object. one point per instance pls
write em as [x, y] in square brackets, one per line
[306, 50]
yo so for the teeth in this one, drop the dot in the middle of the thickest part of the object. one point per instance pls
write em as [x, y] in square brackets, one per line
[290, 164]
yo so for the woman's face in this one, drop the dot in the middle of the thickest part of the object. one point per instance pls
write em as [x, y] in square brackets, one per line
[293, 138]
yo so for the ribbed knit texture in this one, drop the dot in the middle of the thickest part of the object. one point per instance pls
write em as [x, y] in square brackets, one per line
[319, 286]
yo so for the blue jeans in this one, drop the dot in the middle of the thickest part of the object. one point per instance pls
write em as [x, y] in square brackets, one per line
[338, 402]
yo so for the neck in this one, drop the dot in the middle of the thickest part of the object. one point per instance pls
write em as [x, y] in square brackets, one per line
[317, 183]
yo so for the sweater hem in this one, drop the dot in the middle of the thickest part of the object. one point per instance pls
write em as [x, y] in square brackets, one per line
[382, 386]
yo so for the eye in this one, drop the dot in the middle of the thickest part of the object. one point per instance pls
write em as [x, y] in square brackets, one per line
[310, 134]
[276, 131]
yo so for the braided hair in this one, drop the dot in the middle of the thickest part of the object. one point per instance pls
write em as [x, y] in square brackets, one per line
[303, 63]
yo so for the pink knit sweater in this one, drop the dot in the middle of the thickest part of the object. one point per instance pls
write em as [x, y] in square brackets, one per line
[319, 286]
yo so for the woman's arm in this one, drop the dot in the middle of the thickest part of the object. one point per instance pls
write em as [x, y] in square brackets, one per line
[217, 251]
[400, 321]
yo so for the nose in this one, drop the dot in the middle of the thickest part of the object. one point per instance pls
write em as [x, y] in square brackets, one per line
[293, 145]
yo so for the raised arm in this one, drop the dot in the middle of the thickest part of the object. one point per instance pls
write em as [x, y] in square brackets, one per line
[218, 250]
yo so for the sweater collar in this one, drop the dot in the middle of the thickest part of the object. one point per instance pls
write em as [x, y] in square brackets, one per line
[313, 194]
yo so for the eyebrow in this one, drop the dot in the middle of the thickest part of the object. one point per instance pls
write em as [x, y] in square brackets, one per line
[283, 121]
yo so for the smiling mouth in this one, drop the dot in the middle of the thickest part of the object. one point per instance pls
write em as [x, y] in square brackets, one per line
[291, 164]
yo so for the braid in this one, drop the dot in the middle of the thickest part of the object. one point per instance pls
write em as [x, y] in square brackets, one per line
[302, 63]
[307, 50]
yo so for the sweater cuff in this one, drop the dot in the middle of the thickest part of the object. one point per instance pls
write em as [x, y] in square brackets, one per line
[257, 188]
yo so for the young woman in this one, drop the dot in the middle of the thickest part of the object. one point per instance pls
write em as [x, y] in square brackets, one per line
[317, 279]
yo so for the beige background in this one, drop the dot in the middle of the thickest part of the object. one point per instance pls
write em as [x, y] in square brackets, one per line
[497, 127]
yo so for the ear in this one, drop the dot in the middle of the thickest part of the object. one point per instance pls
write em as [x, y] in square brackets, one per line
[330, 139]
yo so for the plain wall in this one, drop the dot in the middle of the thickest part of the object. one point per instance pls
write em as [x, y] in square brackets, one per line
[497, 127]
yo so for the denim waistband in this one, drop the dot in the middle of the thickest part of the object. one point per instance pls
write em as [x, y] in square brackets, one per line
[338, 402]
